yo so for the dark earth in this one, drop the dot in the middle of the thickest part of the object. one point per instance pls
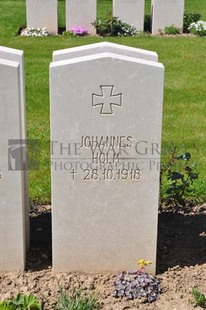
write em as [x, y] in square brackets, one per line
[181, 265]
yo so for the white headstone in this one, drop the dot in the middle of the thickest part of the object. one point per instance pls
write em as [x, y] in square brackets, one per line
[18, 56]
[81, 13]
[12, 212]
[130, 12]
[167, 13]
[42, 13]
[106, 115]
[102, 47]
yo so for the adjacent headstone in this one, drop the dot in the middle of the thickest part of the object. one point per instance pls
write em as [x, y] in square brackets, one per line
[106, 115]
[81, 13]
[42, 13]
[101, 48]
[12, 216]
[130, 12]
[18, 56]
[166, 13]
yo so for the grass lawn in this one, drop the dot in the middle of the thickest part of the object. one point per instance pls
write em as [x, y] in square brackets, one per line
[184, 97]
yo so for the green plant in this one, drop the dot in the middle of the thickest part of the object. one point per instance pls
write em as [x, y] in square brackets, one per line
[77, 301]
[198, 28]
[24, 302]
[4, 305]
[199, 298]
[68, 34]
[171, 30]
[177, 177]
[184, 100]
[21, 302]
[112, 26]
[190, 18]
[137, 284]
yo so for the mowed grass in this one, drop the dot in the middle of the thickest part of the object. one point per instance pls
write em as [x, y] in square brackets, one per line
[184, 94]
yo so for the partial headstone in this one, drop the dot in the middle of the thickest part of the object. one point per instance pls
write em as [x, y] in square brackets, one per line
[12, 211]
[130, 12]
[81, 13]
[102, 47]
[42, 13]
[18, 56]
[106, 116]
[166, 13]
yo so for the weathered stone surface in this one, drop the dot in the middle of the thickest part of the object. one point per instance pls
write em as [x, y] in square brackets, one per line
[81, 13]
[130, 12]
[106, 115]
[42, 13]
[12, 210]
[18, 56]
[167, 13]
[102, 47]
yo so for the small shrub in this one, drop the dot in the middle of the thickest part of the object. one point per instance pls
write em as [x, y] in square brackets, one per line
[112, 26]
[4, 305]
[198, 28]
[77, 301]
[79, 31]
[68, 34]
[190, 18]
[176, 180]
[137, 284]
[199, 298]
[172, 30]
[35, 32]
[21, 302]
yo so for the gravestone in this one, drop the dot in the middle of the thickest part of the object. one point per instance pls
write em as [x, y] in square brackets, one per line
[18, 56]
[42, 13]
[106, 114]
[12, 209]
[101, 48]
[130, 12]
[81, 13]
[166, 13]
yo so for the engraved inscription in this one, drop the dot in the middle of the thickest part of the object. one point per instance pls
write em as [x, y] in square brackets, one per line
[106, 149]
[110, 174]
[107, 99]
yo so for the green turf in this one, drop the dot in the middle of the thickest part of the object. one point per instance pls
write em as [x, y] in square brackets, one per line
[184, 96]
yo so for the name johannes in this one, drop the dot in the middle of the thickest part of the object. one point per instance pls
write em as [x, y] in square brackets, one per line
[106, 149]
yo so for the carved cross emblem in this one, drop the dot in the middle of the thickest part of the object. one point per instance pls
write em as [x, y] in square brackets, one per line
[107, 99]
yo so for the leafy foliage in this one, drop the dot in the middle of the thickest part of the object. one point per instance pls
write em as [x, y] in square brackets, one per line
[199, 298]
[4, 305]
[77, 301]
[112, 26]
[35, 32]
[178, 177]
[190, 18]
[171, 30]
[137, 284]
[21, 302]
[198, 28]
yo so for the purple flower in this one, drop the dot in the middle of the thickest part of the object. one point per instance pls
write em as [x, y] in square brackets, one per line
[79, 31]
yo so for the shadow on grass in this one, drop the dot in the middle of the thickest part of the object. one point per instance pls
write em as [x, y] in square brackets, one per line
[181, 240]
[39, 256]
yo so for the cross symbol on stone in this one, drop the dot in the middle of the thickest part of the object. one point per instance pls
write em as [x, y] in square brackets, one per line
[106, 99]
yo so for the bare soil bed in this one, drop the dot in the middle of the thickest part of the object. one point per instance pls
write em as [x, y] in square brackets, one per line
[181, 265]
